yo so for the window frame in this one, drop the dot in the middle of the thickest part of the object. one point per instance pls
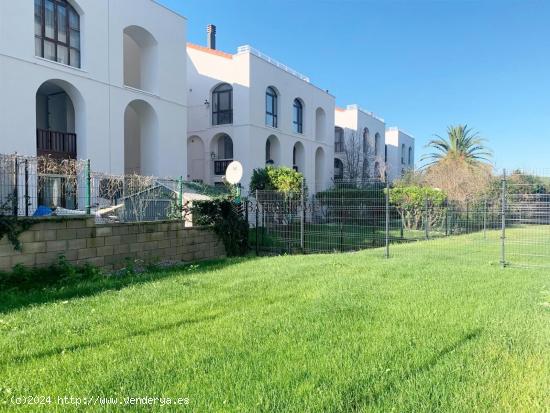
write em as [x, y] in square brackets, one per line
[216, 112]
[272, 94]
[42, 38]
[298, 116]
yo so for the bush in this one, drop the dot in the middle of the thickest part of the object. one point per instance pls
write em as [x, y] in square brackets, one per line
[227, 222]
[272, 178]
[410, 202]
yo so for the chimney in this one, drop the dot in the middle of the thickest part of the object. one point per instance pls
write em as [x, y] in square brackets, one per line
[211, 36]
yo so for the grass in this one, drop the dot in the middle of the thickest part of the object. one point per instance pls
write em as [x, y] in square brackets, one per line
[437, 327]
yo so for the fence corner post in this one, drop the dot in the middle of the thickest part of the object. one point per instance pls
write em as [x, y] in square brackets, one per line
[503, 229]
[88, 188]
[387, 255]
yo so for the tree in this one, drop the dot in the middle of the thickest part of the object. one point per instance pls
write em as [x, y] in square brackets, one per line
[462, 143]
[358, 157]
[271, 178]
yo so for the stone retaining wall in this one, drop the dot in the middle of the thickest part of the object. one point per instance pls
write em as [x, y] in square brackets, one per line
[109, 246]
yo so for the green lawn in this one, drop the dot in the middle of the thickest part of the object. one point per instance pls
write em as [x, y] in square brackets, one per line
[439, 327]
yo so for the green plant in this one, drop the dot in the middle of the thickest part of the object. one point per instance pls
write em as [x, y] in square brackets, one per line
[411, 203]
[227, 222]
[12, 226]
[461, 143]
[62, 271]
[271, 178]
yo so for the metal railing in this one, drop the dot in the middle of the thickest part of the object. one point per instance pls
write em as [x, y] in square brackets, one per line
[220, 166]
[263, 56]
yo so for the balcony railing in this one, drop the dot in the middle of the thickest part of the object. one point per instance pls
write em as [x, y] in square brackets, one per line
[339, 147]
[220, 166]
[58, 145]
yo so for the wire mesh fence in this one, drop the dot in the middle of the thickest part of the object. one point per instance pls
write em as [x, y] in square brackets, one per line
[43, 186]
[510, 224]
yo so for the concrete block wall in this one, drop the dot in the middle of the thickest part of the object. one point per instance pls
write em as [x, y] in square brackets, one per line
[109, 246]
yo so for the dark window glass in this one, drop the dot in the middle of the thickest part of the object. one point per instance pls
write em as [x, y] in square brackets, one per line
[298, 116]
[271, 107]
[222, 105]
[338, 139]
[57, 31]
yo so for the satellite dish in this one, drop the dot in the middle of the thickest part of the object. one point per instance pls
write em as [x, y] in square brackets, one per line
[234, 172]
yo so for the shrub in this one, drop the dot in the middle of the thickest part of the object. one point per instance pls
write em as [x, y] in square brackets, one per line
[272, 178]
[227, 222]
[410, 202]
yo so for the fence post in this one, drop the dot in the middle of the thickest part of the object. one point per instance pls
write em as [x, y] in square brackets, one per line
[303, 216]
[257, 223]
[426, 217]
[88, 189]
[485, 211]
[27, 197]
[388, 215]
[446, 218]
[503, 235]
[15, 204]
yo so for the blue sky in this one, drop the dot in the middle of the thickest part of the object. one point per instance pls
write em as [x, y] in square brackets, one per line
[421, 65]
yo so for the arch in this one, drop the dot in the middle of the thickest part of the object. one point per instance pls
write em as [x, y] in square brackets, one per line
[221, 151]
[320, 124]
[272, 107]
[140, 59]
[338, 139]
[319, 169]
[195, 159]
[272, 151]
[141, 139]
[222, 104]
[299, 157]
[377, 142]
[60, 120]
[338, 169]
[57, 31]
[298, 116]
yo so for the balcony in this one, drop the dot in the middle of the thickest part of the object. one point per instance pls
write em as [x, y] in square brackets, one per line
[58, 145]
[220, 166]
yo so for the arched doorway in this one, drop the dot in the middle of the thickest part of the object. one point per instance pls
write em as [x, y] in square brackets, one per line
[320, 124]
[319, 169]
[60, 121]
[272, 151]
[195, 159]
[221, 149]
[299, 158]
[338, 169]
[141, 143]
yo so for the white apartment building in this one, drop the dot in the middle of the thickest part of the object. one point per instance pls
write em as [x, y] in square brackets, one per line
[103, 80]
[358, 144]
[248, 107]
[400, 152]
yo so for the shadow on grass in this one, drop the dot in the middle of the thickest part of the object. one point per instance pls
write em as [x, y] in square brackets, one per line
[18, 298]
[85, 346]
[357, 398]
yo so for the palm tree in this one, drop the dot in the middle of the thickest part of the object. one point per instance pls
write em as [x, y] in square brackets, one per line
[462, 143]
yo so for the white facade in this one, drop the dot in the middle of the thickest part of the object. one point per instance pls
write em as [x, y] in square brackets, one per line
[127, 99]
[359, 130]
[401, 152]
[256, 138]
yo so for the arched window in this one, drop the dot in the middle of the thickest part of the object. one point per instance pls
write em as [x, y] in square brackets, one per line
[298, 116]
[57, 31]
[338, 169]
[366, 134]
[410, 155]
[403, 150]
[222, 105]
[268, 159]
[338, 139]
[271, 108]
